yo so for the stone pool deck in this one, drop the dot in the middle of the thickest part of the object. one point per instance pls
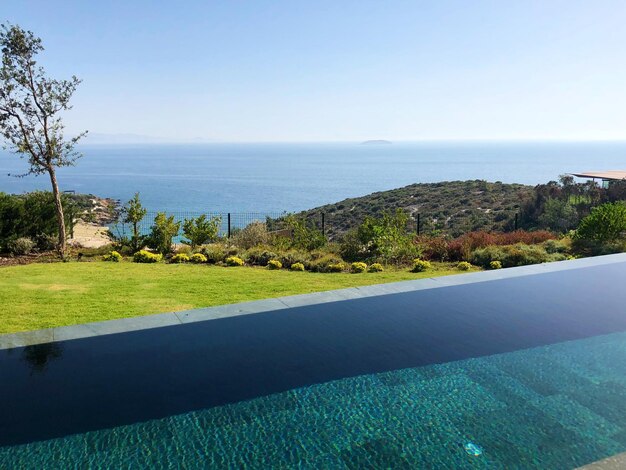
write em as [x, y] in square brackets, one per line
[616, 462]
[87, 330]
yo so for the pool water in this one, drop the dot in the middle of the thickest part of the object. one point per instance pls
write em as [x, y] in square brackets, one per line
[517, 372]
[557, 406]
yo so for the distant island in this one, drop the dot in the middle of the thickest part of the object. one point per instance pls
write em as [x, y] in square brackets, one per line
[376, 142]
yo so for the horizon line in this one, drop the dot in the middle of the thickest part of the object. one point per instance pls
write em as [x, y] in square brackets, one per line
[196, 141]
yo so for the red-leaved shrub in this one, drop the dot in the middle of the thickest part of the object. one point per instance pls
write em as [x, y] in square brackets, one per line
[460, 249]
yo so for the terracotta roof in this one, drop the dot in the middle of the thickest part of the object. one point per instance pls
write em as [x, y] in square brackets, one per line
[605, 175]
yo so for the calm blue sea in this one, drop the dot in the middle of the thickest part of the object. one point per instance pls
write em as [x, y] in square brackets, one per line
[291, 177]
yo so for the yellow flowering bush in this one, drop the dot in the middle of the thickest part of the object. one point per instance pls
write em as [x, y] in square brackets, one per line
[358, 267]
[297, 267]
[420, 265]
[233, 261]
[144, 256]
[198, 258]
[376, 268]
[274, 264]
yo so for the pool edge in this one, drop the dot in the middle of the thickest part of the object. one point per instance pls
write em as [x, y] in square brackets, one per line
[615, 462]
[86, 330]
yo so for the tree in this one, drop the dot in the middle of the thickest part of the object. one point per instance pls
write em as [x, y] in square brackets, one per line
[30, 108]
[134, 213]
[201, 230]
[605, 224]
[163, 232]
[558, 215]
[303, 236]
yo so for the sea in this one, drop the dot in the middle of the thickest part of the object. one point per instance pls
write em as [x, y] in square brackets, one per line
[276, 177]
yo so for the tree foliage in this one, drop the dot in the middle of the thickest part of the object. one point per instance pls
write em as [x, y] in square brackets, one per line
[133, 213]
[558, 215]
[606, 223]
[384, 238]
[31, 215]
[163, 232]
[201, 230]
[303, 235]
[31, 104]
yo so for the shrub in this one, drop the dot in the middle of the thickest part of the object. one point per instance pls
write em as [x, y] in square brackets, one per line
[358, 267]
[303, 236]
[605, 224]
[375, 268]
[461, 248]
[464, 266]
[420, 265]
[352, 248]
[274, 264]
[20, 246]
[184, 249]
[495, 265]
[201, 230]
[321, 263]
[46, 242]
[144, 256]
[253, 234]
[198, 258]
[180, 258]
[113, 256]
[30, 215]
[336, 268]
[556, 246]
[297, 267]
[434, 248]
[163, 232]
[234, 261]
[385, 238]
[260, 256]
[291, 257]
[232, 251]
[513, 255]
[214, 253]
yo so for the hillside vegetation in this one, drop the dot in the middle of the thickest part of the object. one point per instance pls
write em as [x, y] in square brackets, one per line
[452, 207]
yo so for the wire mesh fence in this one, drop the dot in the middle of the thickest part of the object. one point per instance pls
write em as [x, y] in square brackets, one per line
[329, 224]
[228, 222]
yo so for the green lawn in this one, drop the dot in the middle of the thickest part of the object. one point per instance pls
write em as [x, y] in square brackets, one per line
[47, 295]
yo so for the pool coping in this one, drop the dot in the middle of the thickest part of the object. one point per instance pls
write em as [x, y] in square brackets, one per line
[615, 462]
[123, 325]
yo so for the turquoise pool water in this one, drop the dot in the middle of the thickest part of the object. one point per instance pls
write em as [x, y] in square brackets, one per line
[557, 406]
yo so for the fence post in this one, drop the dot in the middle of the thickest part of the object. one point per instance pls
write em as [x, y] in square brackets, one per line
[323, 224]
[418, 224]
[229, 225]
[516, 221]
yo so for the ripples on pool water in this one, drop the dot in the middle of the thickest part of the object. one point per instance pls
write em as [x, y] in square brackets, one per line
[557, 406]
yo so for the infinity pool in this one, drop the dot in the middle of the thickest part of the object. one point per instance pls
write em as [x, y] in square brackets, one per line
[528, 372]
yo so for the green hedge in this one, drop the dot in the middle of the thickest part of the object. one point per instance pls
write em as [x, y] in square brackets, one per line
[31, 215]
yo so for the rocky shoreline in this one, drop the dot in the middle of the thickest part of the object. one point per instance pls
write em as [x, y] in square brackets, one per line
[91, 223]
[95, 209]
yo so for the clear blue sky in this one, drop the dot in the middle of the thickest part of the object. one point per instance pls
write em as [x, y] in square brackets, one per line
[325, 70]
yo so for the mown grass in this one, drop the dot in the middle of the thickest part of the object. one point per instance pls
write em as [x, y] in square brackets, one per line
[48, 295]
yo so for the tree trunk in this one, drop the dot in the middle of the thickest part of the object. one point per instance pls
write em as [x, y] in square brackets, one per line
[59, 207]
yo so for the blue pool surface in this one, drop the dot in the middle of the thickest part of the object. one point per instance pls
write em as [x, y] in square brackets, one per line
[528, 372]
